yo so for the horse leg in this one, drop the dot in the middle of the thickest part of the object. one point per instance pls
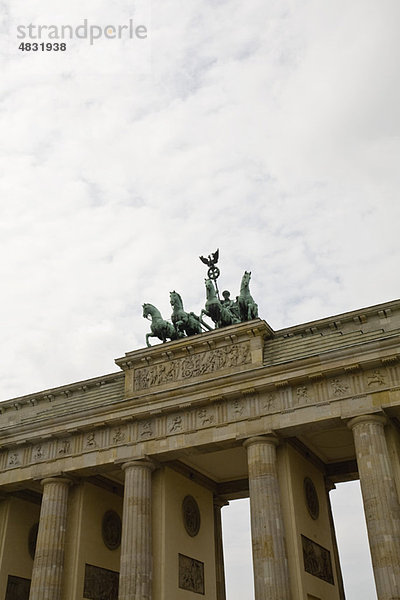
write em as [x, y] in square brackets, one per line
[255, 311]
[147, 339]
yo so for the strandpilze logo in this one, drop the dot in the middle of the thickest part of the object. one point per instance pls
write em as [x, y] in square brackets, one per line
[84, 31]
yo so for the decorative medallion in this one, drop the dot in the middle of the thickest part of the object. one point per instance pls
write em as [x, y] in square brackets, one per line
[32, 539]
[311, 498]
[111, 530]
[191, 515]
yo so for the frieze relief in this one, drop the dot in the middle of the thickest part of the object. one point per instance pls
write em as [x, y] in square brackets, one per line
[118, 436]
[175, 424]
[205, 417]
[39, 452]
[272, 403]
[90, 440]
[376, 378]
[304, 394]
[201, 363]
[339, 387]
[14, 458]
[217, 412]
[238, 409]
[64, 447]
[146, 429]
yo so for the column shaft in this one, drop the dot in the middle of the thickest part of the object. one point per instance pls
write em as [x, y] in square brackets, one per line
[271, 575]
[136, 553]
[219, 549]
[49, 556]
[381, 506]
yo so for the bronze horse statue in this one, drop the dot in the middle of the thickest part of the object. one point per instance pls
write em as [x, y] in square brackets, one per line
[160, 328]
[184, 322]
[248, 308]
[214, 309]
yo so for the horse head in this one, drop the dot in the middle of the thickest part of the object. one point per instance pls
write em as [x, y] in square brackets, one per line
[246, 279]
[210, 287]
[175, 299]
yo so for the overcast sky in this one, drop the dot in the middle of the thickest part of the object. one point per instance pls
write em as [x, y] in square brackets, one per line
[269, 129]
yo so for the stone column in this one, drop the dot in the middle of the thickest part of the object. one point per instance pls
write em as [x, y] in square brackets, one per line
[271, 574]
[381, 505]
[219, 549]
[329, 485]
[135, 577]
[49, 556]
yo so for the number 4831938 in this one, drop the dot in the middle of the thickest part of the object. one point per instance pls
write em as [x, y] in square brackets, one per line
[43, 47]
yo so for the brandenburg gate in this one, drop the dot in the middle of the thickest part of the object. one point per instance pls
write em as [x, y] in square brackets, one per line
[112, 488]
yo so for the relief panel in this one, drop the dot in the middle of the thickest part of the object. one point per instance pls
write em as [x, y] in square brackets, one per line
[17, 588]
[100, 583]
[191, 574]
[317, 560]
[201, 363]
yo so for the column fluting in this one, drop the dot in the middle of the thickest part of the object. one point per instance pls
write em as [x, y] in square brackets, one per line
[381, 505]
[135, 578]
[50, 546]
[271, 575]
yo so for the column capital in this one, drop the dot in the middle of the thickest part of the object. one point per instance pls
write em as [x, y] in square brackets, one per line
[329, 485]
[64, 480]
[371, 418]
[261, 439]
[220, 502]
[144, 463]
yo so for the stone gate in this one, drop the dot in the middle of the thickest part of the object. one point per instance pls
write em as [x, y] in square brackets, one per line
[111, 488]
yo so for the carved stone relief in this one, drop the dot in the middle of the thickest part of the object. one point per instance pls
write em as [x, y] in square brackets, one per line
[317, 560]
[237, 409]
[303, 394]
[100, 584]
[146, 429]
[175, 424]
[205, 416]
[192, 366]
[39, 453]
[118, 436]
[111, 529]
[18, 588]
[339, 387]
[14, 459]
[283, 397]
[376, 377]
[191, 515]
[64, 447]
[91, 440]
[191, 574]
